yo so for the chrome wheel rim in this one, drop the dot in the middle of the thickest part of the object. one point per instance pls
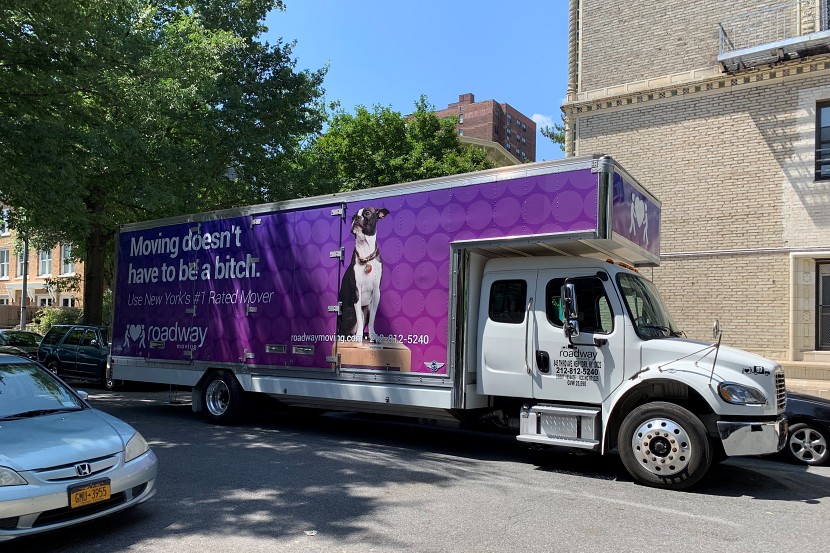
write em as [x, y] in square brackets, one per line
[217, 397]
[662, 447]
[808, 445]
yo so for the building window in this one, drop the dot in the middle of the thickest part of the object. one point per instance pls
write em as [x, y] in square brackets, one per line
[518, 124]
[460, 132]
[68, 302]
[20, 271]
[4, 301]
[4, 223]
[4, 263]
[823, 141]
[44, 301]
[44, 263]
[460, 117]
[67, 261]
[509, 118]
[524, 126]
[507, 145]
[508, 132]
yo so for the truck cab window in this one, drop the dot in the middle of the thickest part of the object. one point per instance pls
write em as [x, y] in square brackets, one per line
[508, 299]
[595, 313]
[648, 313]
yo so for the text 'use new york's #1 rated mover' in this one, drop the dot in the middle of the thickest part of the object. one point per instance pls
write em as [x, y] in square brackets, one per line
[487, 295]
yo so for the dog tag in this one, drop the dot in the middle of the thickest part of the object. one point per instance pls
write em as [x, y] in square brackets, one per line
[368, 269]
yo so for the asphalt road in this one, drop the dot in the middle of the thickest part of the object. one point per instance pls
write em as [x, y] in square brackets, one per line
[358, 484]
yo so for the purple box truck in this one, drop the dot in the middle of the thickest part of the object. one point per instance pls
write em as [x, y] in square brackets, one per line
[510, 295]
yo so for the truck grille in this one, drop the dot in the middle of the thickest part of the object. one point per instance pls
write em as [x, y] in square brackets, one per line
[780, 391]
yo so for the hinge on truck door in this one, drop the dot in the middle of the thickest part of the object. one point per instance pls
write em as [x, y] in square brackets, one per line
[255, 222]
[334, 360]
[336, 308]
[339, 254]
[339, 211]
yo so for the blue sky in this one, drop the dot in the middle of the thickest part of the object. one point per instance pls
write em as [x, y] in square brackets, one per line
[389, 52]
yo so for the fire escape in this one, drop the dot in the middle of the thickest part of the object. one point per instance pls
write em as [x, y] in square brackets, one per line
[764, 37]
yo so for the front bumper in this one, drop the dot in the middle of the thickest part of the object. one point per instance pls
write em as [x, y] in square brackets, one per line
[753, 438]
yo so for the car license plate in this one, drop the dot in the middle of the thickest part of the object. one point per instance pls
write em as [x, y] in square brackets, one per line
[89, 493]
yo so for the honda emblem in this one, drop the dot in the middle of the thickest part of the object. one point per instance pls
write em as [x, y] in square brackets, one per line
[83, 469]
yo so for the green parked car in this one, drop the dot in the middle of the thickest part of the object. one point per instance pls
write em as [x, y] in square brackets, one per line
[77, 352]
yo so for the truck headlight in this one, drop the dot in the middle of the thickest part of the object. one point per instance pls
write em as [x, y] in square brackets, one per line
[8, 477]
[135, 447]
[739, 394]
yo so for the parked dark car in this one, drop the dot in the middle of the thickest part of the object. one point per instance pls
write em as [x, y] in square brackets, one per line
[809, 429]
[77, 352]
[20, 342]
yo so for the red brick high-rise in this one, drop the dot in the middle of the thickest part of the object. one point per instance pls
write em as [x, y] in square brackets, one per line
[495, 122]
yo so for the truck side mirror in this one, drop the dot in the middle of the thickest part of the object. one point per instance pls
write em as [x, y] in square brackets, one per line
[570, 310]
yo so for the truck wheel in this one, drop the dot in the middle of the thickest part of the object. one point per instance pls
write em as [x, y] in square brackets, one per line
[663, 445]
[223, 398]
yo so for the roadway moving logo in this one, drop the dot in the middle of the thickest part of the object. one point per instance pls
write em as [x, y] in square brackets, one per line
[192, 336]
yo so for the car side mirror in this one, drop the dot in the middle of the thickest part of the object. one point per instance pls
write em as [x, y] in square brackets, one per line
[82, 394]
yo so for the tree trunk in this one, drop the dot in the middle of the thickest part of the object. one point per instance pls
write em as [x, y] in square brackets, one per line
[94, 276]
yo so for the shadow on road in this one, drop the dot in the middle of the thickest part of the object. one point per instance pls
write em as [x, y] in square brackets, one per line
[282, 475]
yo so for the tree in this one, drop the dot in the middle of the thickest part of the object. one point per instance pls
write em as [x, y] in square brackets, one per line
[114, 111]
[379, 147]
[556, 133]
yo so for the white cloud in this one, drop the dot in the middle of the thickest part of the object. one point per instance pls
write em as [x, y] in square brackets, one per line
[542, 120]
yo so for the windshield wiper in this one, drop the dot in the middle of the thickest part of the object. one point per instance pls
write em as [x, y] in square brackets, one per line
[38, 413]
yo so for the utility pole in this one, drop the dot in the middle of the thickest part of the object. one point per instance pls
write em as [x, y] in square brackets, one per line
[24, 293]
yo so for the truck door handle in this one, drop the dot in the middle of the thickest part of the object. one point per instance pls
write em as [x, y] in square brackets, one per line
[543, 361]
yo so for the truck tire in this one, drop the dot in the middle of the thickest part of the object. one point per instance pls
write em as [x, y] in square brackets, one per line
[663, 445]
[223, 398]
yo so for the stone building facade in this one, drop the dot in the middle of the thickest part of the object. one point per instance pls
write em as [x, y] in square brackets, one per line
[716, 108]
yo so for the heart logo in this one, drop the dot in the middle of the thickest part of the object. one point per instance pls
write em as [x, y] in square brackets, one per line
[135, 332]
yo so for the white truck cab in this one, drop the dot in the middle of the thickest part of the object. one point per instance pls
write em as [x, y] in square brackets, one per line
[602, 365]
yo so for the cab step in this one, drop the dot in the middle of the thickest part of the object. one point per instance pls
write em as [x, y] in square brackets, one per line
[560, 425]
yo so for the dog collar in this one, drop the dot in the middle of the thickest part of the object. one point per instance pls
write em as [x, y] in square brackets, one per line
[365, 260]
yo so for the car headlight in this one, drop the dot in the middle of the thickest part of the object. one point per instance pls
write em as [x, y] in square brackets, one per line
[135, 447]
[8, 477]
[738, 394]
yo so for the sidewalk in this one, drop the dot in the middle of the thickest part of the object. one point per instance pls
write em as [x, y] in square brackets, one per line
[820, 388]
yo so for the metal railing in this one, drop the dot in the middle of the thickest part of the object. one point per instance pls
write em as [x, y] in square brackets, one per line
[773, 24]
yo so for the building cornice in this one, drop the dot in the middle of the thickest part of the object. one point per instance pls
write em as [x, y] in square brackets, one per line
[698, 82]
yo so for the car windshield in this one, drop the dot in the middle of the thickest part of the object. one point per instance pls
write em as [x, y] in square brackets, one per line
[27, 390]
[23, 339]
[648, 313]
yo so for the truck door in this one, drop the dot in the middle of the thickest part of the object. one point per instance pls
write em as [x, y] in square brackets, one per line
[590, 368]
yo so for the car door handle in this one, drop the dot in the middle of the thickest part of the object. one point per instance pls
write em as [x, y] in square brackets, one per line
[543, 361]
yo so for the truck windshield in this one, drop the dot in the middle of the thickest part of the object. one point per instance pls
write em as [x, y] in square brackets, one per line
[646, 308]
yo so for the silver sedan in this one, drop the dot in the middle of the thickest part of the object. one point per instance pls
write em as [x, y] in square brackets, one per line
[61, 461]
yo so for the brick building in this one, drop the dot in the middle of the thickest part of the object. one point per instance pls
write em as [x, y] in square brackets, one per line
[494, 122]
[723, 111]
[42, 265]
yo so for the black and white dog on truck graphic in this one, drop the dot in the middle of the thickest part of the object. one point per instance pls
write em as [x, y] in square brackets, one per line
[360, 290]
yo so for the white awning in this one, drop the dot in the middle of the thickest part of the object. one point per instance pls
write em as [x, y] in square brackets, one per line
[32, 288]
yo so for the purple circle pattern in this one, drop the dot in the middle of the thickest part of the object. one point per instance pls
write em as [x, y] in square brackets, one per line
[296, 254]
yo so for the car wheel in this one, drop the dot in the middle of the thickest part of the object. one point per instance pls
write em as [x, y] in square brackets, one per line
[223, 398]
[807, 444]
[54, 366]
[663, 445]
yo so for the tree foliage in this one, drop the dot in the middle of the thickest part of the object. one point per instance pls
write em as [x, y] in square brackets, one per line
[113, 111]
[556, 133]
[382, 146]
